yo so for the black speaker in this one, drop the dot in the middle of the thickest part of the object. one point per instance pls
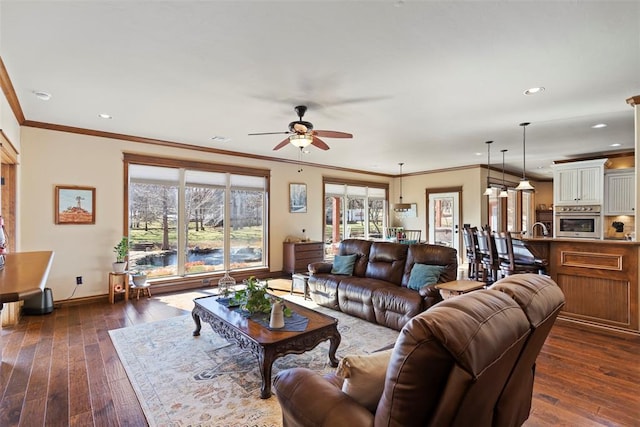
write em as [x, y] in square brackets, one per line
[41, 303]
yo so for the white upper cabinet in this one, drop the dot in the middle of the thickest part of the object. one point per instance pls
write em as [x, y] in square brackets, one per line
[619, 192]
[579, 183]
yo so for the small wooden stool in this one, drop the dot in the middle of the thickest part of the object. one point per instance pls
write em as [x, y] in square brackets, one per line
[140, 289]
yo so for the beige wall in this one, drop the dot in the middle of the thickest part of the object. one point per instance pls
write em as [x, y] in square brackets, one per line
[50, 158]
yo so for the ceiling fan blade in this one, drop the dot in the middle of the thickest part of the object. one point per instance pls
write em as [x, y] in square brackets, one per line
[319, 143]
[282, 144]
[270, 133]
[332, 134]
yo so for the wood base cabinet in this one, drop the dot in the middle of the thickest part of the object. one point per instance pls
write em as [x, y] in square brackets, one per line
[297, 256]
[599, 281]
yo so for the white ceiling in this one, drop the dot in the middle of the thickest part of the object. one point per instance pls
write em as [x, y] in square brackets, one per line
[424, 83]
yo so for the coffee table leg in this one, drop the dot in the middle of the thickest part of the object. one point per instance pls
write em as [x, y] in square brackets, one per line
[334, 342]
[196, 319]
[265, 361]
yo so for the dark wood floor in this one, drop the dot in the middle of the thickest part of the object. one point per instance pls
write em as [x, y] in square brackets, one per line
[61, 369]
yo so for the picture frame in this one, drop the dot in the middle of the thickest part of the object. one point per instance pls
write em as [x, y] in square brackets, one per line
[75, 204]
[297, 198]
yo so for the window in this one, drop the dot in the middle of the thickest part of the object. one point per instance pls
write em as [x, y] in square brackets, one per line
[353, 210]
[187, 219]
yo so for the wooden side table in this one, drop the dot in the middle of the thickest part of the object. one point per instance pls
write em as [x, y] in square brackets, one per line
[458, 287]
[118, 285]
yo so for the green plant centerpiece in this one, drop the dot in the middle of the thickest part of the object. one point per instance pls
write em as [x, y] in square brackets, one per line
[254, 298]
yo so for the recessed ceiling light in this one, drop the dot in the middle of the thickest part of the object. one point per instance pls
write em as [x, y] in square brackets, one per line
[45, 96]
[479, 154]
[533, 90]
[599, 126]
[104, 116]
[615, 144]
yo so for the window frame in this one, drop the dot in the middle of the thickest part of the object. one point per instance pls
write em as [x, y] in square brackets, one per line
[185, 164]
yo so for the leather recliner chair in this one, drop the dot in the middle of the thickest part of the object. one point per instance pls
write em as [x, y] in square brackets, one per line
[468, 360]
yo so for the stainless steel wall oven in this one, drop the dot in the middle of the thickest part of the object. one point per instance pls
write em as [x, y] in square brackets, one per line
[582, 221]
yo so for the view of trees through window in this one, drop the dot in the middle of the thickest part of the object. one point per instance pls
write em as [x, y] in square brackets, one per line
[184, 222]
[353, 211]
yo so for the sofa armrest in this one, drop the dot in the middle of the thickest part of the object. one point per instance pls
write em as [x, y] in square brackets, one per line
[320, 267]
[308, 399]
[431, 295]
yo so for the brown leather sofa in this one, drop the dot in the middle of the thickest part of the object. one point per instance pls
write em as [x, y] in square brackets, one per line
[377, 290]
[468, 361]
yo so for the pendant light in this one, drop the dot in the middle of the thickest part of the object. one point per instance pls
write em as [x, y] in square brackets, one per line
[524, 182]
[401, 207]
[489, 190]
[503, 192]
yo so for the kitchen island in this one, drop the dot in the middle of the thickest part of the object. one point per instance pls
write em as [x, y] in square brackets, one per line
[599, 278]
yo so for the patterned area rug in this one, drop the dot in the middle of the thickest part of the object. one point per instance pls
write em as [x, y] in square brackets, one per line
[181, 380]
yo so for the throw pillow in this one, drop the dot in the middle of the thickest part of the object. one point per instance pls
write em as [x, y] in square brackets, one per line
[343, 264]
[364, 377]
[424, 274]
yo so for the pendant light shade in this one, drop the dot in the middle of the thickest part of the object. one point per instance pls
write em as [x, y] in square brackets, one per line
[489, 190]
[401, 207]
[524, 182]
[503, 192]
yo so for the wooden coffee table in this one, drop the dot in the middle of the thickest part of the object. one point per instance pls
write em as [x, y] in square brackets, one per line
[267, 345]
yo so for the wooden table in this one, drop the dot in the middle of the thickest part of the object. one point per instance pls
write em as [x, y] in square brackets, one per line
[24, 275]
[267, 345]
[458, 287]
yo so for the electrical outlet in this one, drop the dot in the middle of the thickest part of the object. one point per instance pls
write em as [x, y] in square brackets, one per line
[78, 280]
[206, 282]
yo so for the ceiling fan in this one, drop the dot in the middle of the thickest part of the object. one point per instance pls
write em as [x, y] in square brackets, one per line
[301, 133]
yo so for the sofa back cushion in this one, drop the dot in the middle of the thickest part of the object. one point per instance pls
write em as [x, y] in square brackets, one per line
[360, 248]
[432, 255]
[451, 362]
[386, 261]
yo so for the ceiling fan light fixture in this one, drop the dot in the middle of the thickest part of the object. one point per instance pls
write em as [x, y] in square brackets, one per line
[301, 140]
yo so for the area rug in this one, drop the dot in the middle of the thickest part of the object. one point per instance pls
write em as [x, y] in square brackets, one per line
[181, 380]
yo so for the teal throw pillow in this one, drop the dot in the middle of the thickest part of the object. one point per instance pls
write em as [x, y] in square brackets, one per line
[343, 264]
[424, 274]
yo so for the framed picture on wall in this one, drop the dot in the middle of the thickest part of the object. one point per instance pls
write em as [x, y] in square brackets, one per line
[75, 205]
[297, 198]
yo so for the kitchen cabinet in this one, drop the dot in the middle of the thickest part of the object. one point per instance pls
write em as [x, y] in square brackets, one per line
[579, 183]
[619, 191]
[297, 256]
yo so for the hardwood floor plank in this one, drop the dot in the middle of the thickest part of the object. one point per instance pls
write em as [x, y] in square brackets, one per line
[34, 412]
[58, 398]
[79, 395]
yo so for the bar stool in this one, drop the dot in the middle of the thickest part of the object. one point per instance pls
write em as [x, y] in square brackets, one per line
[489, 256]
[509, 264]
[473, 255]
